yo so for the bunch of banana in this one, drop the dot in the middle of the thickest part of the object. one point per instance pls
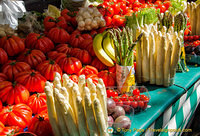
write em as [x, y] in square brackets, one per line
[104, 48]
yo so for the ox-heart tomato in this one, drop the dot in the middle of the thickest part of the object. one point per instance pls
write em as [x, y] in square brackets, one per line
[13, 45]
[40, 125]
[36, 102]
[87, 44]
[48, 69]
[98, 64]
[86, 36]
[1, 105]
[61, 22]
[74, 78]
[13, 93]
[12, 67]
[1, 126]
[37, 41]
[82, 55]
[32, 57]
[108, 78]
[88, 70]
[58, 35]
[76, 39]
[49, 22]
[3, 77]
[63, 48]
[70, 65]
[53, 55]
[10, 131]
[16, 115]
[94, 78]
[32, 80]
[3, 56]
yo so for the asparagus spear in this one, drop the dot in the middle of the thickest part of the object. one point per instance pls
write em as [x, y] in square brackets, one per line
[65, 79]
[198, 20]
[56, 81]
[138, 58]
[193, 19]
[51, 111]
[152, 58]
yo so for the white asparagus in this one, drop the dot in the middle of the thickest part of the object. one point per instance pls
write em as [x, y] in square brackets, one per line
[65, 79]
[56, 81]
[81, 84]
[51, 110]
[138, 59]
[58, 86]
[47, 83]
[75, 93]
[82, 123]
[92, 126]
[61, 122]
[65, 93]
[103, 100]
[171, 30]
[145, 59]
[152, 58]
[92, 88]
[193, 19]
[100, 118]
[198, 20]
[169, 39]
[188, 9]
[160, 59]
[68, 115]
[164, 30]
[69, 87]
[155, 33]
[167, 64]
[58, 76]
[100, 81]
[175, 57]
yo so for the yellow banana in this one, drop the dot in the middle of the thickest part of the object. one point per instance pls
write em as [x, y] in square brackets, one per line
[100, 53]
[107, 46]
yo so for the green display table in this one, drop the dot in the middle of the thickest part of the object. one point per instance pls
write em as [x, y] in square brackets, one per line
[168, 105]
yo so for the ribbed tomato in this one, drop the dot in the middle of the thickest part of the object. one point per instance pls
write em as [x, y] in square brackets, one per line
[3, 56]
[10, 131]
[98, 64]
[61, 22]
[1, 105]
[86, 36]
[74, 78]
[82, 55]
[12, 67]
[37, 41]
[49, 22]
[32, 80]
[53, 55]
[13, 93]
[70, 65]
[65, 14]
[3, 77]
[63, 48]
[1, 126]
[48, 69]
[16, 115]
[40, 125]
[32, 57]
[75, 40]
[88, 70]
[36, 102]
[109, 78]
[87, 44]
[94, 78]
[58, 35]
[13, 45]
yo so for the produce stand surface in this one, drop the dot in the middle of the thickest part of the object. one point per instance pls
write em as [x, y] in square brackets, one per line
[161, 99]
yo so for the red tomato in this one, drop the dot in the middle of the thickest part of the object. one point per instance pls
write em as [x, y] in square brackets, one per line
[196, 37]
[136, 91]
[115, 99]
[101, 9]
[108, 20]
[144, 97]
[124, 97]
[167, 4]
[119, 103]
[190, 38]
[136, 9]
[116, 8]
[115, 94]
[185, 38]
[196, 43]
[109, 93]
[158, 3]
[131, 98]
[144, 6]
[126, 10]
[136, 4]
[118, 20]
[162, 8]
[123, 6]
[74, 78]
[131, 1]
[109, 11]
[88, 70]
[106, 4]
[140, 104]
[136, 97]
[134, 104]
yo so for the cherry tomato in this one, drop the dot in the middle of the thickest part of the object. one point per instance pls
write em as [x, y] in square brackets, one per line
[124, 97]
[158, 3]
[109, 93]
[134, 104]
[116, 8]
[106, 4]
[108, 20]
[190, 38]
[126, 10]
[136, 97]
[131, 1]
[119, 103]
[196, 43]
[196, 37]
[115, 99]
[101, 9]
[127, 102]
[118, 20]
[144, 97]
[145, 105]
[140, 104]
[144, 6]
[136, 4]
[115, 94]
[162, 8]
[167, 4]
[109, 11]
[136, 91]
[123, 6]
[136, 9]
[131, 98]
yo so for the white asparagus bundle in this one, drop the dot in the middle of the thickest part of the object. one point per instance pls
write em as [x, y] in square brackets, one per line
[64, 92]
[160, 59]
[102, 124]
[100, 81]
[57, 75]
[145, 58]
[175, 57]
[92, 88]
[51, 110]
[198, 20]
[138, 59]
[47, 83]
[92, 126]
[171, 30]
[60, 118]
[75, 93]
[81, 84]
[155, 33]
[68, 115]
[69, 88]
[152, 58]
[193, 18]
[167, 64]
[56, 81]
[163, 31]
[82, 123]
[65, 78]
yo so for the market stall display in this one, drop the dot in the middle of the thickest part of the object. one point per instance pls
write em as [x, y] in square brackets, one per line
[75, 72]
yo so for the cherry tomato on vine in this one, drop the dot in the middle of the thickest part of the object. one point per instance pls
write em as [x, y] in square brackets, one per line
[162, 8]
[109, 93]
[140, 104]
[136, 97]
[109, 11]
[136, 91]
[144, 97]
[106, 4]
[108, 20]
[119, 103]
[167, 4]
[118, 20]
[131, 98]
[115, 99]
[116, 8]
[101, 9]
[124, 97]
[115, 94]
[134, 104]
